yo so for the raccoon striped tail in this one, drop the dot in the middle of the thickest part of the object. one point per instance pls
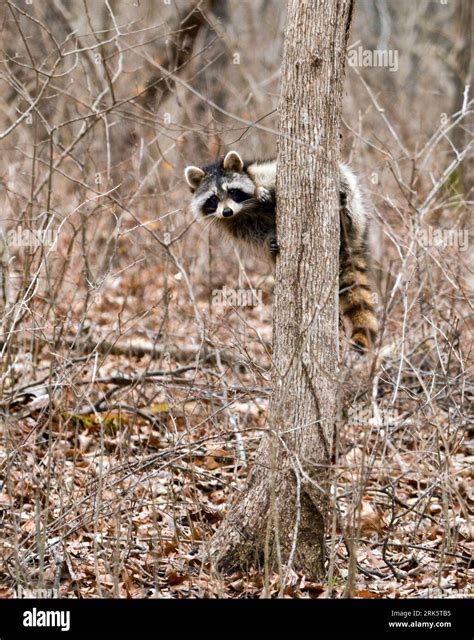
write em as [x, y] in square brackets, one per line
[356, 301]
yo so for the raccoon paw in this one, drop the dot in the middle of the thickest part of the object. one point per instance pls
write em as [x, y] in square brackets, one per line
[263, 195]
[274, 247]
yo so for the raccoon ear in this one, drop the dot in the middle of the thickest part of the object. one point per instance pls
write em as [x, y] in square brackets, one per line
[233, 162]
[193, 176]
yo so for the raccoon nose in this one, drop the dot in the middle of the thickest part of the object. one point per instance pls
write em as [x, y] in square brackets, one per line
[227, 212]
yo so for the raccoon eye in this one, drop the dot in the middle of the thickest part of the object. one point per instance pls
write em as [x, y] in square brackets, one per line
[238, 195]
[211, 204]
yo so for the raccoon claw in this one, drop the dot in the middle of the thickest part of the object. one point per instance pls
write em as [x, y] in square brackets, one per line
[263, 195]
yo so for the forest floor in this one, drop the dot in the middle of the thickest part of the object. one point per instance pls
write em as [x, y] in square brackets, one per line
[120, 465]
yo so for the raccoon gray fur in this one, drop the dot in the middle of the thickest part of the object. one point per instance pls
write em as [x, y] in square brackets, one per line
[241, 197]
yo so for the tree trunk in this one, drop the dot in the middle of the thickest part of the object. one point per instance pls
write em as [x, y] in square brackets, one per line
[462, 73]
[280, 515]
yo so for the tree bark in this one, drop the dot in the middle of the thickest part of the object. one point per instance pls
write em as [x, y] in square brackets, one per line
[462, 73]
[279, 518]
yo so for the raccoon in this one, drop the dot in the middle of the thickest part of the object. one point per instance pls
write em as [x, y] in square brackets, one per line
[240, 196]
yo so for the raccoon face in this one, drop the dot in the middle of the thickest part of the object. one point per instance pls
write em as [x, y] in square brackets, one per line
[222, 190]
